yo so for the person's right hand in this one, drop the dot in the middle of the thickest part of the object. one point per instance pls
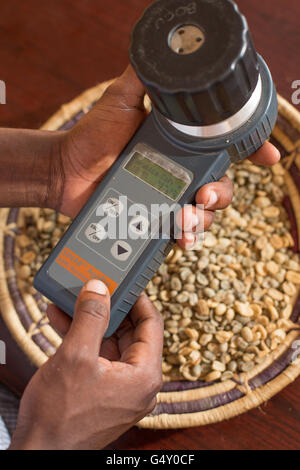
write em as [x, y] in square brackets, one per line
[80, 400]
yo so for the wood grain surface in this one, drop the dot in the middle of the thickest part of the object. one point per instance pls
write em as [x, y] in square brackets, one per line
[53, 50]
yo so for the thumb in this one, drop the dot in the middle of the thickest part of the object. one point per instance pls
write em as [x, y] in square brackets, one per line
[121, 108]
[91, 318]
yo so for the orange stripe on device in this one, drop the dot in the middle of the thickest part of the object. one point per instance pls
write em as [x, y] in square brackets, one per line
[82, 269]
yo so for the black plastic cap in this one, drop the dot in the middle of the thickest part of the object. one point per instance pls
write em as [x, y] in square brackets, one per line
[208, 85]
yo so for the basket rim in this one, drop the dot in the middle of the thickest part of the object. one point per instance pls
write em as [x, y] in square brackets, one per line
[250, 398]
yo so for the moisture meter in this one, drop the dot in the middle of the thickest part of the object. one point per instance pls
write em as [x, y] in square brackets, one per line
[213, 103]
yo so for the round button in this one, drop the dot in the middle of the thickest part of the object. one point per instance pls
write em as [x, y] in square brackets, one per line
[112, 207]
[121, 250]
[95, 233]
[139, 225]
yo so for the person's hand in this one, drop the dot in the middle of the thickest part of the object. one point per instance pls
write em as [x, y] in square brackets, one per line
[80, 400]
[92, 146]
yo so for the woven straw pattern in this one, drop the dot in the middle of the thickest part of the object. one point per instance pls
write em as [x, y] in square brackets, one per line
[180, 404]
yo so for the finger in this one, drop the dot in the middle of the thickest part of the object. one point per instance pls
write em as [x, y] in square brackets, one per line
[59, 320]
[190, 219]
[109, 349]
[122, 106]
[267, 155]
[91, 318]
[146, 350]
[113, 347]
[119, 112]
[193, 219]
[130, 85]
[125, 334]
[215, 196]
[187, 240]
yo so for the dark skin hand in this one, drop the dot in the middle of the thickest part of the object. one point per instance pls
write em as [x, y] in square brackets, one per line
[61, 170]
[80, 400]
[92, 390]
[92, 146]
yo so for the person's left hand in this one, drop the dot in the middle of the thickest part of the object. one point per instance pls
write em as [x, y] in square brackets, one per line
[92, 389]
[89, 149]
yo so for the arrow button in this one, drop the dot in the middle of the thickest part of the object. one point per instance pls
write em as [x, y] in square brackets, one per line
[121, 250]
[138, 226]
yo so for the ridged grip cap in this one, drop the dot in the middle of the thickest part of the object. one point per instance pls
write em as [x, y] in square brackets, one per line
[203, 87]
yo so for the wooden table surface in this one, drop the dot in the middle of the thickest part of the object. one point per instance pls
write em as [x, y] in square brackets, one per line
[52, 51]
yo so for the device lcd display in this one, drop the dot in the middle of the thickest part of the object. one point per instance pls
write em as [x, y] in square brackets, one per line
[156, 176]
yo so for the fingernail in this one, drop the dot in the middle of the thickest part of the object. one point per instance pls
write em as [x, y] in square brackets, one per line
[195, 220]
[213, 197]
[96, 286]
[191, 221]
[188, 221]
[278, 154]
[190, 241]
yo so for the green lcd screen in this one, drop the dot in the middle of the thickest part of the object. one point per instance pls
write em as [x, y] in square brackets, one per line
[156, 176]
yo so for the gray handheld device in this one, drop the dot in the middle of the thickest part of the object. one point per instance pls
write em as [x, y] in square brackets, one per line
[214, 103]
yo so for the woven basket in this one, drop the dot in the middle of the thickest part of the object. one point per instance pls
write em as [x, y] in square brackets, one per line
[180, 403]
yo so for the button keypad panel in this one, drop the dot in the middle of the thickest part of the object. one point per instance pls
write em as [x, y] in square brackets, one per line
[117, 250]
